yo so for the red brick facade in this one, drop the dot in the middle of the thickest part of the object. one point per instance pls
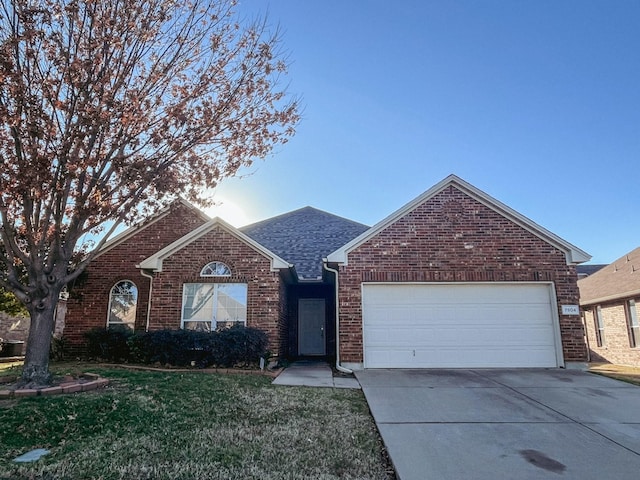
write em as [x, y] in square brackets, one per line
[89, 299]
[247, 266]
[452, 237]
[616, 347]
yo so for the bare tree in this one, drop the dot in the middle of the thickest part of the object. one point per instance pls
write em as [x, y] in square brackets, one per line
[111, 109]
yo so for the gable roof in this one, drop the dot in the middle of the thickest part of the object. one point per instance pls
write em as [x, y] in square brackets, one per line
[134, 229]
[304, 237]
[620, 279]
[573, 254]
[154, 262]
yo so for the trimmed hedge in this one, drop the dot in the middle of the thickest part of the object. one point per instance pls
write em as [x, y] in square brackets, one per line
[229, 347]
[111, 345]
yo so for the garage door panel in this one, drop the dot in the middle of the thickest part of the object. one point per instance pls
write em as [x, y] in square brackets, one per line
[459, 325]
[451, 358]
[462, 315]
[459, 338]
[386, 294]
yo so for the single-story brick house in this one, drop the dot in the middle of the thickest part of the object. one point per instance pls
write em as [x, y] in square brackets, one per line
[608, 298]
[454, 278]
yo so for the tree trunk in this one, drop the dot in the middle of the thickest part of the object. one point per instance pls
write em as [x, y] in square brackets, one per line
[35, 372]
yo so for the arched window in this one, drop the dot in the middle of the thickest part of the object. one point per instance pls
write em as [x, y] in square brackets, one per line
[123, 300]
[215, 269]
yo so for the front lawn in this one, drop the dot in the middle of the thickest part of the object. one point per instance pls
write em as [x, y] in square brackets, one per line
[156, 425]
[619, 372]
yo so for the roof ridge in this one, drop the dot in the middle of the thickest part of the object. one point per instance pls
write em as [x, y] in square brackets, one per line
[297, 210]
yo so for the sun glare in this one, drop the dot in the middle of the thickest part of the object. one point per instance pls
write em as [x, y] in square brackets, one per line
[229, 211]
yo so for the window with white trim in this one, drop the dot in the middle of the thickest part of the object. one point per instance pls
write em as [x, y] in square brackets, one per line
[634, 326]
[210, 306]
[123, 301]
[215, 269]
[597, 315]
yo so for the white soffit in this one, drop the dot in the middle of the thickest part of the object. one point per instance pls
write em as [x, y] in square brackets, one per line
[573, 254]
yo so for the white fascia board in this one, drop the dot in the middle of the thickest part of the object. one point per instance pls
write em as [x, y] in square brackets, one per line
[131, 231]
[573, 254]
[340, 255]
[154, 262]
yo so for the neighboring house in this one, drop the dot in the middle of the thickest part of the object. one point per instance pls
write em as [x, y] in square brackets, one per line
[453, 279]
[585, 270]
[608, 299]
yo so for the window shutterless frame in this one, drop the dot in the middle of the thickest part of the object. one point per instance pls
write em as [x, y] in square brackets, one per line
[599, 324]
[215, 269]
[123, 301]
[207, 306]
[632, 324]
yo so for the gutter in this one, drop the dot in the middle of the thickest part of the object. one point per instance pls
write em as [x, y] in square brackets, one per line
[150, 277]
[339, 367]
[609, 298]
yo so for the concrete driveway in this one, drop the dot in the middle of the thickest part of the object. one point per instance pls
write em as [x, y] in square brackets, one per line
[506, 423]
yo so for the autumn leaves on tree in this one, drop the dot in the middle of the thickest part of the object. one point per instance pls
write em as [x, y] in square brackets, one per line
[111, 109]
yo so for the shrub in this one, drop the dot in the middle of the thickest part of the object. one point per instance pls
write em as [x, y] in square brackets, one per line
[229, 347]
[239, 345]
[171, 347]
[110, 345]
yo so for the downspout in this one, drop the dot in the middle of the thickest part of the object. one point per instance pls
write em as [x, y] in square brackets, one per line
[150, 277]
[338, 366]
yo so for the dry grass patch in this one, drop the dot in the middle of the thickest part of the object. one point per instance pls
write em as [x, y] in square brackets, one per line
[619, 372]
[158, 425]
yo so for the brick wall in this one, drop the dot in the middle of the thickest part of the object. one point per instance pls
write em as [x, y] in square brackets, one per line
[617, 347]
[89, 297]
[454, 238]
[283, 321]
[247, 266]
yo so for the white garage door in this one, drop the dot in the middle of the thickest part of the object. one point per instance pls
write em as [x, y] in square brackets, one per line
[459, 325]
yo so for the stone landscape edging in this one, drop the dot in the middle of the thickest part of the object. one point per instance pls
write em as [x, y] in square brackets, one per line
[84, 383]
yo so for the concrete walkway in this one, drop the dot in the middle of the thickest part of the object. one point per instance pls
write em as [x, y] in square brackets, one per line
[313, 374]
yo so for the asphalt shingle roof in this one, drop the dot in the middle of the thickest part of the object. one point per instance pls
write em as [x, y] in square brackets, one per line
[304, 237]
[617, 280]
[589, 269]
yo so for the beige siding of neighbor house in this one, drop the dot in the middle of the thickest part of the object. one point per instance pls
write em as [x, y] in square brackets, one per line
[616, 347]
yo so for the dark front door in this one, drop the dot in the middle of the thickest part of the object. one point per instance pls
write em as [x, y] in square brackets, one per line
[311, 326]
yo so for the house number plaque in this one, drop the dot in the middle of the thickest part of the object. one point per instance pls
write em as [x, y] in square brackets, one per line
[570, 310]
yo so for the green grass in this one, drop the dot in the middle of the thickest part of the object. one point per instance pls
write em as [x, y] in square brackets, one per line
[155, 425]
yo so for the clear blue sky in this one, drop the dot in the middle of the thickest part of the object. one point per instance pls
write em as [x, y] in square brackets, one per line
[537, 103]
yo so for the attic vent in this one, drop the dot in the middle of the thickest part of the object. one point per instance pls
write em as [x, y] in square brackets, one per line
[215, 269]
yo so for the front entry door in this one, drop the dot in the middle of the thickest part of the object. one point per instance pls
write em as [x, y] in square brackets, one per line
[311, 326]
